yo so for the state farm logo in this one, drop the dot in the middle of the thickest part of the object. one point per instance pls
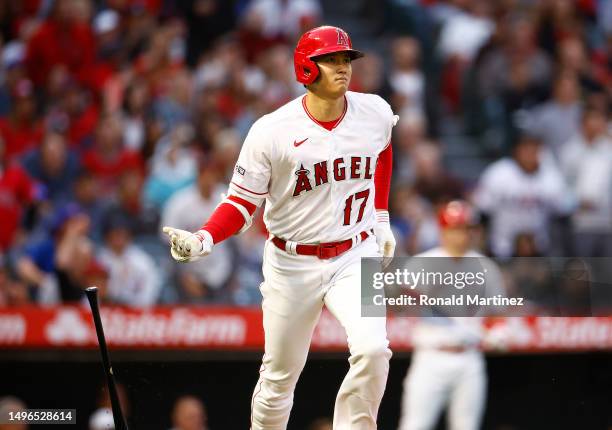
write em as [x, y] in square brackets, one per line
[519, 332]
[580, 333]
[67, 327]
[511, 333]
[13, 329]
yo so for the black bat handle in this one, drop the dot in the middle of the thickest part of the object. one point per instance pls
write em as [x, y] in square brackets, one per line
[118, 418]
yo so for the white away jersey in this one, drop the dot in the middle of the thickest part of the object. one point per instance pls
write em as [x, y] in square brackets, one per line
[318, 184]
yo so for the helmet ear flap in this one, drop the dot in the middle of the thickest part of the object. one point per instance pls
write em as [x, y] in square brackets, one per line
[306, 70]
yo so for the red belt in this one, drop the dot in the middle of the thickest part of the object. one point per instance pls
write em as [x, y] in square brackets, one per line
[322, 250]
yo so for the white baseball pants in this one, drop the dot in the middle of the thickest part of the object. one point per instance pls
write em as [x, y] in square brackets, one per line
[437, 378]
[294, 291]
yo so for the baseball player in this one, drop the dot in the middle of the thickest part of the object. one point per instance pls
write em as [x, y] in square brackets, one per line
[322, 163]
[520, 195]
[448, 367]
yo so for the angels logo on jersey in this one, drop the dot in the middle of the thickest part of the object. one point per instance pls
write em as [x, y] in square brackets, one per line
[343, 168]
[302, 183]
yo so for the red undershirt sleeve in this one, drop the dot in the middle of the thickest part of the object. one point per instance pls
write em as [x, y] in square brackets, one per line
[382, 178]
[227, 220]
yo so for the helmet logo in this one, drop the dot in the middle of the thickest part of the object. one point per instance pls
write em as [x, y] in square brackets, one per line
[342, 38]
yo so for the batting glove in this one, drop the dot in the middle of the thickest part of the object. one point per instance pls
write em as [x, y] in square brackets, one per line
[384, 237]
[186, 246]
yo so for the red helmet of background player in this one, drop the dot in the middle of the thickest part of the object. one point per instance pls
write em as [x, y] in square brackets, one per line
[456, 213]
[319, 41]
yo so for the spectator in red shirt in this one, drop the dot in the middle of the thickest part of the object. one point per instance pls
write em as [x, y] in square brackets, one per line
[17, 191]
[112, 53]
[83, 113]
[62, 40]
[20, 130]
[75, 111]
[108, 158]
[159, 64]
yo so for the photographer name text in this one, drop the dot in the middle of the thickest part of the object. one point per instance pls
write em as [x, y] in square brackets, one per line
[453, 300]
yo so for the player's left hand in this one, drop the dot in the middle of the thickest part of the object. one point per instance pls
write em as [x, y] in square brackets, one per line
[384, 237]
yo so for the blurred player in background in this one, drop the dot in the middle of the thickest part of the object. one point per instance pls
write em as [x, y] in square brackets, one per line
[520, 195]
[323, 164]
[448, 367]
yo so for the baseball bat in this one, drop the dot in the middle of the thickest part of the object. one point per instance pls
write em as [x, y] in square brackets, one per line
[118, 418]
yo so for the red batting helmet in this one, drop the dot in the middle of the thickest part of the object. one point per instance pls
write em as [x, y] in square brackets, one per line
[456, 213]
[319, 41]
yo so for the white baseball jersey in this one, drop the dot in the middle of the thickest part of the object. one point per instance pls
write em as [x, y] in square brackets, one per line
[519, 202]
[318, 184]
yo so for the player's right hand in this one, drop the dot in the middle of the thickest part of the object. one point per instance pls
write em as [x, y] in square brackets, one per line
[186, 246]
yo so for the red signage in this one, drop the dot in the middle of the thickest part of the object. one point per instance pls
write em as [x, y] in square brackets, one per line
[234, 328]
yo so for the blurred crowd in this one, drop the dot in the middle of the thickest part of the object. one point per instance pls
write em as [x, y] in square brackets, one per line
[120, 116]
[188, 412]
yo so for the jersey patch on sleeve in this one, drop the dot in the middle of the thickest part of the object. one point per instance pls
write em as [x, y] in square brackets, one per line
[240, 170]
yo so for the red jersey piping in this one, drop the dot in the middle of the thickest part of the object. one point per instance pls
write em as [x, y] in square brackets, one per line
[246, 189]
[322, 123]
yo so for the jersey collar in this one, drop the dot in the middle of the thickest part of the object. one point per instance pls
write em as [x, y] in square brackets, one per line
[320, 123]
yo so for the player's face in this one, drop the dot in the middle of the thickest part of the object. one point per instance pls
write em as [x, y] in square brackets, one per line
[335, 74]
[456, 239]
[527, 155]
